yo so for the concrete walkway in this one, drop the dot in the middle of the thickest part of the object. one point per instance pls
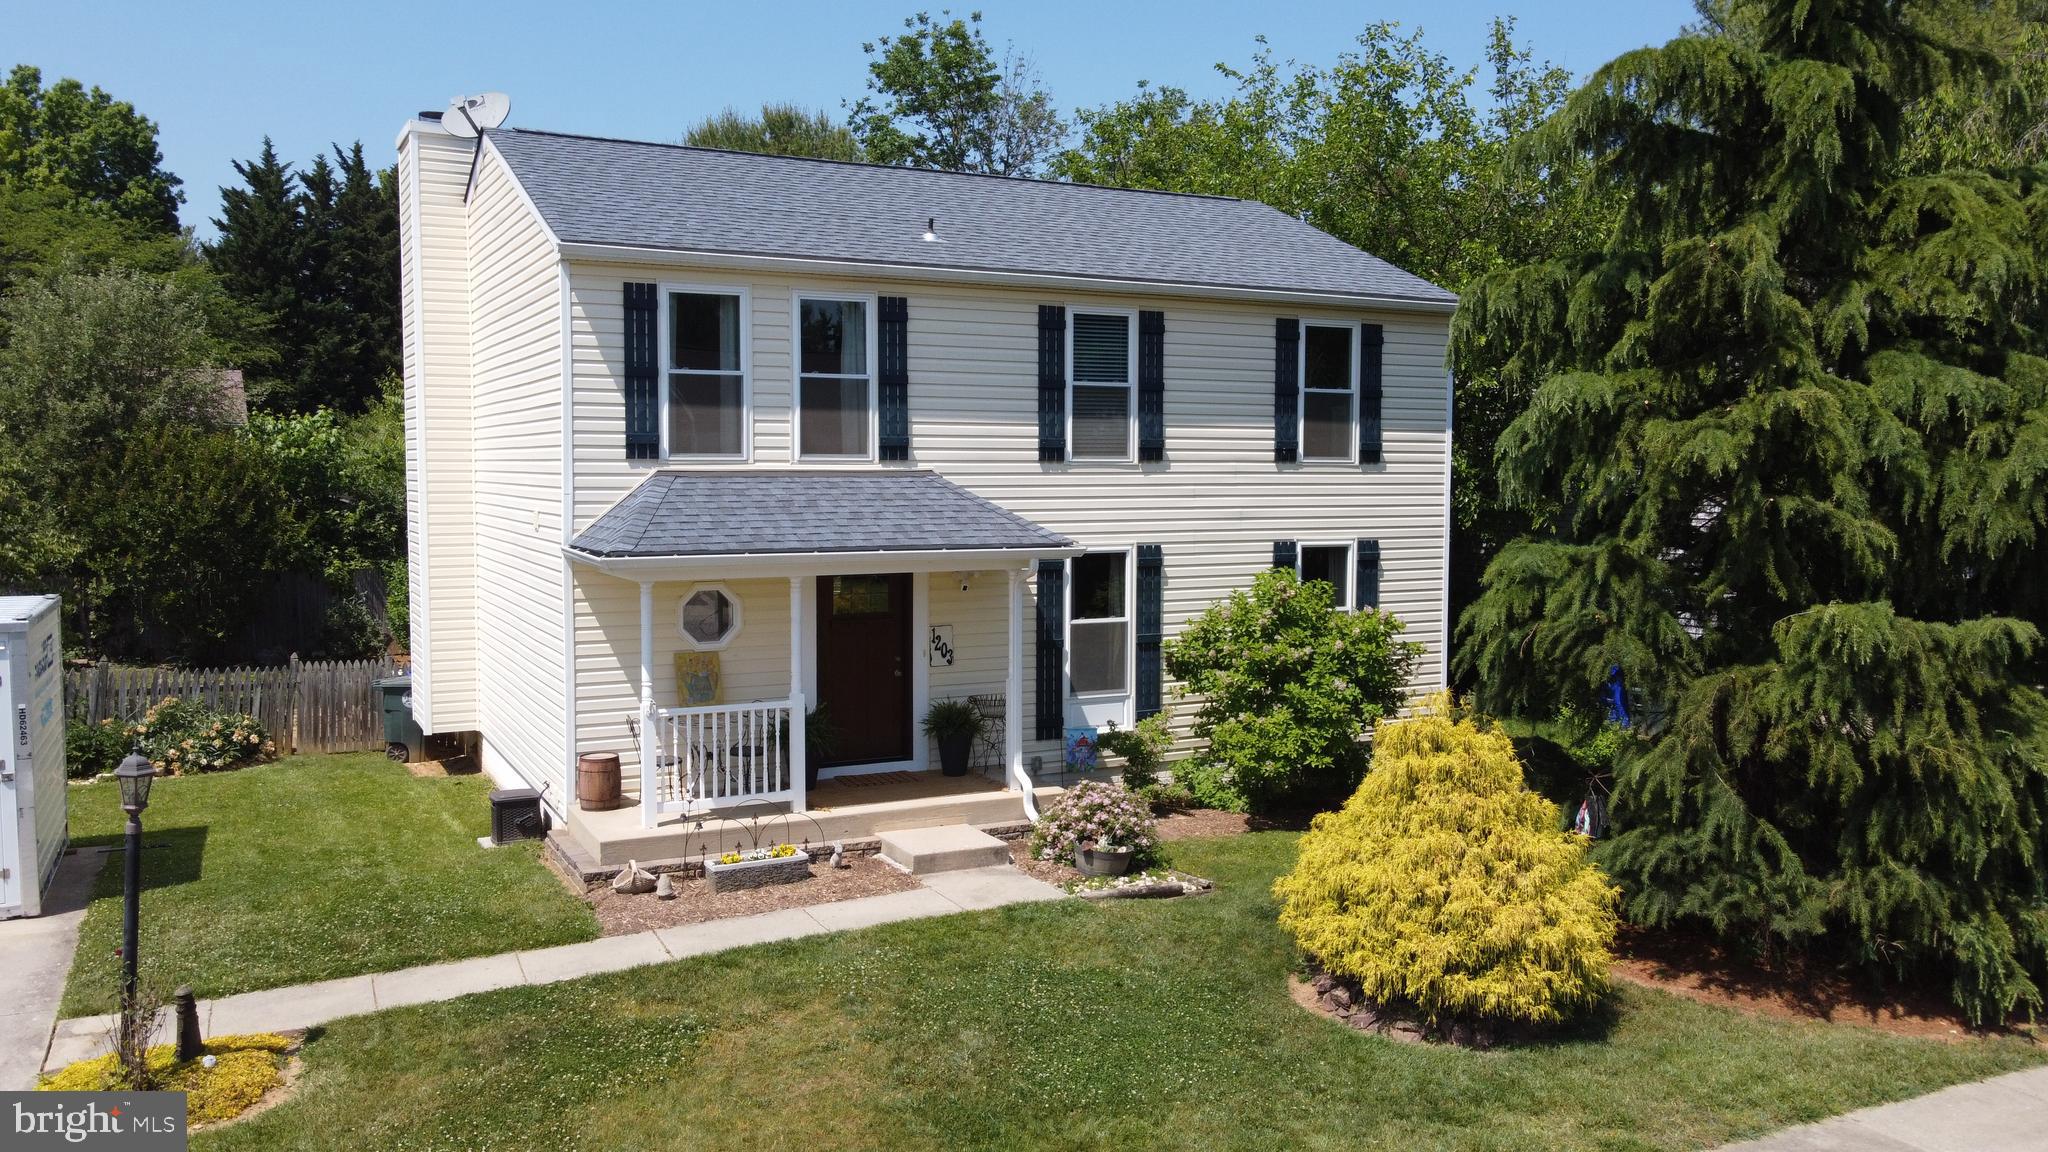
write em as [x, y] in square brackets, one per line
[35, 957]
[302, 1006]
[2004, 1114]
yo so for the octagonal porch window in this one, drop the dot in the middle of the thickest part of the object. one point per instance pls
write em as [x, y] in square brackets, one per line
[709, 617]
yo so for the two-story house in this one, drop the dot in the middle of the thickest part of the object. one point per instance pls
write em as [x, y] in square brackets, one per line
[700, 441]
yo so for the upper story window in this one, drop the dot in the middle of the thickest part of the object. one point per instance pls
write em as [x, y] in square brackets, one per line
[1102, 351]
[1328, 391]
[1098, 628]
[835, 379]
[706, 399]
[1330, 563]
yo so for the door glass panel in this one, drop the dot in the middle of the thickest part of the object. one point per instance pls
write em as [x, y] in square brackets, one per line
[860, 595]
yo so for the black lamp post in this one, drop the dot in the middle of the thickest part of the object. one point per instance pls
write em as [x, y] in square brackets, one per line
[134, 775]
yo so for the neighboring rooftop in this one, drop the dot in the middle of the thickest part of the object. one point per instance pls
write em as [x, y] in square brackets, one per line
[764, 512]
[671, 197]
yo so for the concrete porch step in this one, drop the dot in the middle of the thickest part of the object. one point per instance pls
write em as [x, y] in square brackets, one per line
[945, 848]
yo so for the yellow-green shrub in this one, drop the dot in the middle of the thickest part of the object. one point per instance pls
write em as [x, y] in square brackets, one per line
[1445, 885]
[245, 1067]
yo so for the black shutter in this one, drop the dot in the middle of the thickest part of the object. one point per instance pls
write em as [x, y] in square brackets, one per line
[1371, 339]
[1366, 587]
[1151, 386]
[1286, 555]
[1052, 646]
[1052, 383]
[1286, 391]
[1151, 613]
[643, 395]
[892, 378]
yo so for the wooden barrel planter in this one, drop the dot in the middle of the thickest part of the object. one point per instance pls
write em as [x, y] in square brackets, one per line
[598, 788]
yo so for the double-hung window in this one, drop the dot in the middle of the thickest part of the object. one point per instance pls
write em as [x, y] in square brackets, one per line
[1329, 386]
[835, 408]
[1098, 634]
[1330, 563]
[1102, 351]
[706, 398]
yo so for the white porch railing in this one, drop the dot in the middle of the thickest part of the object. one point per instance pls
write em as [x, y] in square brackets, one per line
[722, 754]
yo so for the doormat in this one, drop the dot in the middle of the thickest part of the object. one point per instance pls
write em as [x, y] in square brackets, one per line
[871, 779]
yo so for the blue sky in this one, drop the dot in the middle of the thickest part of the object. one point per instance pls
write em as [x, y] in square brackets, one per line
[218, 76]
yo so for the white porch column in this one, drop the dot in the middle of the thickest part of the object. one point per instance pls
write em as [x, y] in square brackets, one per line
[1013, 699]
[650, 735]
[800, 799]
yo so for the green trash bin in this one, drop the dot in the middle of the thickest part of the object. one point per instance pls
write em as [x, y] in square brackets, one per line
[403, 740]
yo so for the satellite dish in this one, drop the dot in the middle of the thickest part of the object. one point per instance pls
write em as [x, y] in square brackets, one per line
[471, 115]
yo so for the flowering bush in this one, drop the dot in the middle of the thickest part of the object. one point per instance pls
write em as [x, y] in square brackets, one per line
[1290, 687]
[1107, 815]
[778, 852]
[90, 749]
[186, 736]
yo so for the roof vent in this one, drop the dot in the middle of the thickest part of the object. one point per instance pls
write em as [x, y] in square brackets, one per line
[931, 230]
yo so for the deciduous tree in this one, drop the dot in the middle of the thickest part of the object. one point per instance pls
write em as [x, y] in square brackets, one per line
[780, 130]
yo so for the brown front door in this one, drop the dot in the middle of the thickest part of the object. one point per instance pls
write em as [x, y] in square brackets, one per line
[864, 665]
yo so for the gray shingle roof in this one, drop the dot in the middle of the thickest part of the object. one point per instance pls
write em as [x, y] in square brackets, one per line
[619, 192]
[764, 512]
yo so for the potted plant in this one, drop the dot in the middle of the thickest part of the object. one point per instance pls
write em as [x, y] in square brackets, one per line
[1100, 858]
[821, 736]
[954, 724]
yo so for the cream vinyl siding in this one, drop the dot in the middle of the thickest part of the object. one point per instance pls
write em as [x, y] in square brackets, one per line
[441, 521]
[515, 357]
[1215, 506]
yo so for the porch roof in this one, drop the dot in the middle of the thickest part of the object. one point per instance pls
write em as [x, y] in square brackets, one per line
[791, 512]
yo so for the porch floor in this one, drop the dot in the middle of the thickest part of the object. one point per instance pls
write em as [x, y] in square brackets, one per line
[839, 810]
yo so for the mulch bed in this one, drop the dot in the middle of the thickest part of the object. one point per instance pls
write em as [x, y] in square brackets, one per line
[1700, 968]
[695, 903]
[1191, 823]
[1057, 875]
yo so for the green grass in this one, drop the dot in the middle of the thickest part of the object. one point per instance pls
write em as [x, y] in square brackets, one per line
[1139, 1024]
[308, 869]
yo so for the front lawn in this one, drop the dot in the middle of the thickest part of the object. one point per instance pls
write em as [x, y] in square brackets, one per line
[309, 869]
[1141, 1024]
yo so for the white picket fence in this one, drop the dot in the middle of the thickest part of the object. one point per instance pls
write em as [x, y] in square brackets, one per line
[317, 706]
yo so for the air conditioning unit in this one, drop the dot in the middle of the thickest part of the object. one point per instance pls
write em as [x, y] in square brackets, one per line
[516, 815]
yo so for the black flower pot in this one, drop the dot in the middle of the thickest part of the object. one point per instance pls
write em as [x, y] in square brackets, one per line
[953, 752]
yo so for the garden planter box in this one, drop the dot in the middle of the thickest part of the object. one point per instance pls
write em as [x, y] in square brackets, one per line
[757, 873]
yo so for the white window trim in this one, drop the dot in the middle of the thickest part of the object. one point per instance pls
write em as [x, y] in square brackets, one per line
[1128, 620]
[797, 374]
[1130, 384]
[746, 370]
[1346, 594]
[1302, 390]
[738, 618]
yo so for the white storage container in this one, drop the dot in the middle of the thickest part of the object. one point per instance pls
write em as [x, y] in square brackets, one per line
[32, 812]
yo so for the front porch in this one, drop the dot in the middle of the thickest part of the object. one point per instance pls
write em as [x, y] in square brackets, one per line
[850, 808]
[792, 631]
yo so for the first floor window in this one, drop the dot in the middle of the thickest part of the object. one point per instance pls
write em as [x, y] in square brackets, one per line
[707, 395]
[1100, 623]
[709, 617]
[1330, 563]
[834, 383]
[1100, 372]
[1327, 392]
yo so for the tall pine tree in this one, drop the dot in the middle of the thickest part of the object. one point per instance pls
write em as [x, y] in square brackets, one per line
[1788, 444]
[317, 253]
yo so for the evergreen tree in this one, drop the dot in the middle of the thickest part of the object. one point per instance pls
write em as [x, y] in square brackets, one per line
[1788, 439]
[316, 252]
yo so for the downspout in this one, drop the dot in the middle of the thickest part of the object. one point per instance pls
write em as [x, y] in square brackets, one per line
[1013, 699]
